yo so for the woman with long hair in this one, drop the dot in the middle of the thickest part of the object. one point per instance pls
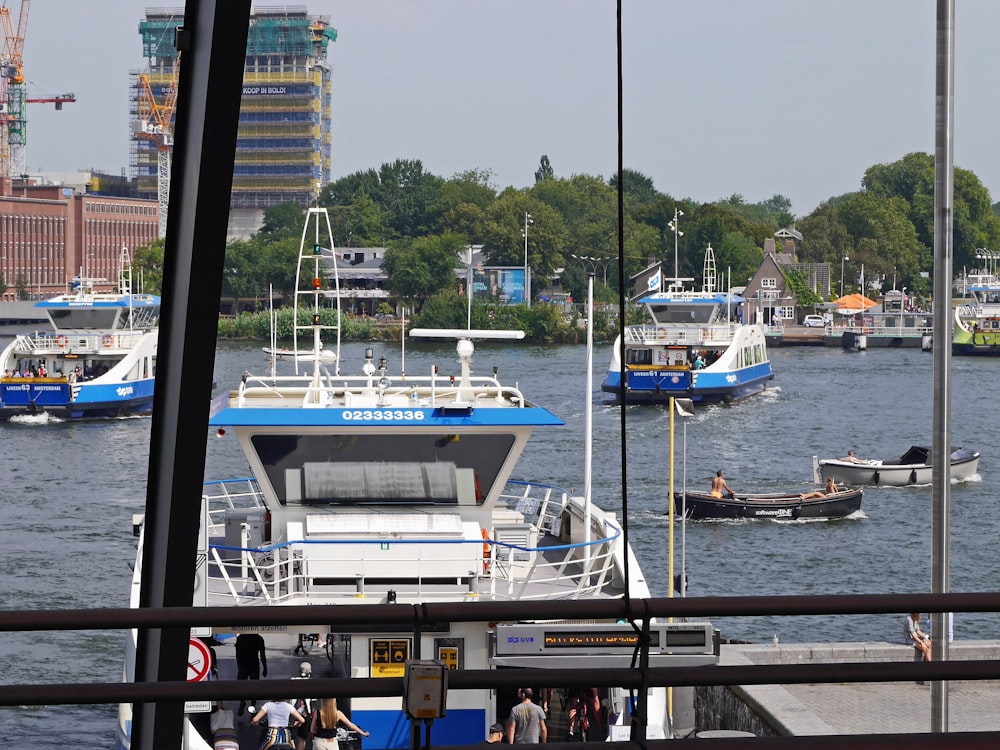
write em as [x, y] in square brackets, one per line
[280, 715]
[324, 725]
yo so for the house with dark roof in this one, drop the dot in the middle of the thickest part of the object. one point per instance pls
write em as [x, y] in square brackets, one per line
[770, 300]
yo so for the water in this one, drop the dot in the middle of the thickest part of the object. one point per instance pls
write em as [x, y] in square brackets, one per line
[66, 526]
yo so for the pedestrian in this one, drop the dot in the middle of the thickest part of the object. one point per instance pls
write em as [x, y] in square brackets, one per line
[281, 717]
[915, 637]
[526, 724]
[223, 725]
[495, 735]
[304, 706]
[324, 725]
[251, 655]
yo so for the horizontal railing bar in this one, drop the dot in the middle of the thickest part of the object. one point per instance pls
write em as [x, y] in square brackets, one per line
[411, 616]
[480, 679]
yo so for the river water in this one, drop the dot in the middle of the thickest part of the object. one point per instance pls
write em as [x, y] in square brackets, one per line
[72, 488]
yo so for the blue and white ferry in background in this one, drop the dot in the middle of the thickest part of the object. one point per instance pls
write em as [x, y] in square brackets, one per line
[98, 359]
[378, 488]
[696, 347]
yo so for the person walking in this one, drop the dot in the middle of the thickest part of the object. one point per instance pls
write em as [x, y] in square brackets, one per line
[281, 715]
[526, 724]
[250, 656]
[304, 706]
[495, 736]
[223, 725]
[324, 725]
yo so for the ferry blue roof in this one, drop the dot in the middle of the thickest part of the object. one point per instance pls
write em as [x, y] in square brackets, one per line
[530, 416]
[718, 298]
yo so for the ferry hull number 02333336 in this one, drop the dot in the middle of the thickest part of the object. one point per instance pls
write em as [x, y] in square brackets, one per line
[383, 415]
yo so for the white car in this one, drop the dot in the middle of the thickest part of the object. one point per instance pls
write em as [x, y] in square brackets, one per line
[814, 321]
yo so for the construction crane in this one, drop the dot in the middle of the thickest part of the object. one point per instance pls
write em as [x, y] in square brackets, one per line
[155, 124]
[12, 98]
[13, 118]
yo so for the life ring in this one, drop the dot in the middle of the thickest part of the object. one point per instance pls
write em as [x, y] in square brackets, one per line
[486, 551]
[61, 341]
[107, 340]
[661, 335]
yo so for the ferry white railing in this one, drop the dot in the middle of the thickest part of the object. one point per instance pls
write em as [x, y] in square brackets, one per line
[79, 342]
[277, 573]
[685, 334]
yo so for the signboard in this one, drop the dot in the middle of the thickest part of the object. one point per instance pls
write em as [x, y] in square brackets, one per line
[388, 656]
[448, 656]
[199, 661]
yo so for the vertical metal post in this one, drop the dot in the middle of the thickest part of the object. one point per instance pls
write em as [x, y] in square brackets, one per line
[213, 41]
[944, 184]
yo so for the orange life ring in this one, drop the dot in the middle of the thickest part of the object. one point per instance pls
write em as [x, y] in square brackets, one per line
[107, 339]
[61, 341]
[486, 551]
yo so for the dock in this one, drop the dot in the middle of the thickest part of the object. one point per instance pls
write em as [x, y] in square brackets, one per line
[848, 337]
[847, 708]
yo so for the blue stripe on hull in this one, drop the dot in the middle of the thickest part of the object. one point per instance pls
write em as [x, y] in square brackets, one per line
[93, 400]
[660, 385]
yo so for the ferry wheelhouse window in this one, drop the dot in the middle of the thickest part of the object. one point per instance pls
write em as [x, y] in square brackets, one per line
[380, 469]
[84, 317]
[681, 313]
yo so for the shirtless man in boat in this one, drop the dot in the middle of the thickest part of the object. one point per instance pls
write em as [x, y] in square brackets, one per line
[720, 488]
[830, 488]
[853, 459]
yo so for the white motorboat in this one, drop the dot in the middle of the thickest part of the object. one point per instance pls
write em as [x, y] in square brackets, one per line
[913, 467]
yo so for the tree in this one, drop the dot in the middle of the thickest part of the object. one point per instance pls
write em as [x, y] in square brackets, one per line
[544, 171]
[286, 218]
[636, 186]
[147, 267]
[417, 269]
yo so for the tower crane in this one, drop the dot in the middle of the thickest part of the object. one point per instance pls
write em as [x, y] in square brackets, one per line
[155, 124]
[12, 119]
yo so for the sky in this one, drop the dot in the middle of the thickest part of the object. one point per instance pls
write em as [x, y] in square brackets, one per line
[720, 97]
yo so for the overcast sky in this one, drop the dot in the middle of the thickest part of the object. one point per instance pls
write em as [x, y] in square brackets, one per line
[755, 97]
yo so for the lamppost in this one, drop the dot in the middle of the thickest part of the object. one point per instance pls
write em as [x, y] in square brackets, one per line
[842, 261]
[593, 263]
[685, 408]
[527, 286]
[674, 224]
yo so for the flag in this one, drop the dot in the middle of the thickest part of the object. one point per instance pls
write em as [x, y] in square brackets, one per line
[654, 282]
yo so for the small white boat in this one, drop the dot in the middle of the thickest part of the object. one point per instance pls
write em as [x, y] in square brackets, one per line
[697, 346]
[284, 353]
[98, 359]
[913, 467]
[373, 487]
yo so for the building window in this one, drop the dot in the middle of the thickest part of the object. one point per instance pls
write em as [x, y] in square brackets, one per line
[769, 283]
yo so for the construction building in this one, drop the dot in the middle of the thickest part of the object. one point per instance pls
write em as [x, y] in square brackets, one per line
[284, 150]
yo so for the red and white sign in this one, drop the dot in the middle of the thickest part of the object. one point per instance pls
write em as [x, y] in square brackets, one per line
[199, 661]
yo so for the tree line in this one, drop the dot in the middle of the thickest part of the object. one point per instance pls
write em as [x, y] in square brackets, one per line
[425, 222]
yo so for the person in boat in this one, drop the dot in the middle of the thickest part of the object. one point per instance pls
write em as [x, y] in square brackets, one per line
[830, 488]
[851, 458]
[699, 361]
[720, 487]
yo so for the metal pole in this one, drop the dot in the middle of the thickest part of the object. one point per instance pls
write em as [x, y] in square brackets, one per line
[527, 290]
[944, 185]
[588, 423]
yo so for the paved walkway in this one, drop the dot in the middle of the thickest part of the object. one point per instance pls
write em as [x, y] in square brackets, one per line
[866, 708]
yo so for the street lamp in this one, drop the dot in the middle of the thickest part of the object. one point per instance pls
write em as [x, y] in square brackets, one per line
[674, 224]
[527, 287]
[593, 263]
[685, 408]
[842, 261]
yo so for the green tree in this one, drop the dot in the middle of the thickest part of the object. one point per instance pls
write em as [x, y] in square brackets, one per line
[544, 171]
[417, 269]
[147, 267]
[637, 187]
[284, 219]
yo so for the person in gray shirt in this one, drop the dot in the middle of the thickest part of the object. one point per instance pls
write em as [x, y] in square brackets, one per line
[527, 721]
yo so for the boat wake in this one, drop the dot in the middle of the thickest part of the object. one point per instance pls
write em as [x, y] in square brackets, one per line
[36, 419]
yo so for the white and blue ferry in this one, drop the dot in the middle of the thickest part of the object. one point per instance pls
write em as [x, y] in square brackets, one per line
[697, 345]
[97, 360]
[377, 487]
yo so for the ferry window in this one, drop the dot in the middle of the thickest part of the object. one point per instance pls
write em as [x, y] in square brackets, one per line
[88, 317]
[639, 356]
[436, 469]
